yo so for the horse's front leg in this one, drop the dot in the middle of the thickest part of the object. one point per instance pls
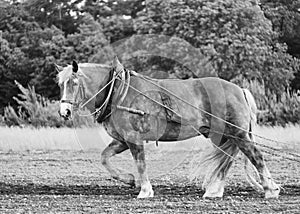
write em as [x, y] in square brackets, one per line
[116, 147]
[138, 153]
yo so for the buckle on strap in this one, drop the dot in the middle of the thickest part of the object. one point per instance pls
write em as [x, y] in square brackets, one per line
[67, 101]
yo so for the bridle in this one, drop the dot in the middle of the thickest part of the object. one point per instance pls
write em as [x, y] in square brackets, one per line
[100, 112]
[80, 92]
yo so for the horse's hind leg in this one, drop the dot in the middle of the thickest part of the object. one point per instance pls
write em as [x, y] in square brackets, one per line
[255, 156]
[116, 147]
[138, 153]
[219, 163]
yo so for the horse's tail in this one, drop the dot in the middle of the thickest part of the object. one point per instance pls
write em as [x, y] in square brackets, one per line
[252, 105]
[213, 162]
[253, 120]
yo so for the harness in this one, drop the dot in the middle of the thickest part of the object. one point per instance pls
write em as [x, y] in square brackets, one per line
[120, 92]
[105, 107]
[171, 115]
[115, 92]
[80, 92]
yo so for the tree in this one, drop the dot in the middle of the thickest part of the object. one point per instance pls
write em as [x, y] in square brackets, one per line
[49, 44]
[89, 44]
[64, 14]
[233, 34]
[15, 23]
[106, 9]
[285, 17]
[28, 54]
[116, 16]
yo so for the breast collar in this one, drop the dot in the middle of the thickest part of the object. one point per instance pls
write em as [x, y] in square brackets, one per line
[114, 95]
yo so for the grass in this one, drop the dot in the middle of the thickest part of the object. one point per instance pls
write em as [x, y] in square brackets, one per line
[287, 137]
[22, 139]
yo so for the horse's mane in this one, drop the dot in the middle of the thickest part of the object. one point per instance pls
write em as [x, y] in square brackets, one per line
[93, 65]
[67, 72]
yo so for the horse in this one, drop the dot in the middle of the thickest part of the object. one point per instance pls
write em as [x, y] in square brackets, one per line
[134, 108]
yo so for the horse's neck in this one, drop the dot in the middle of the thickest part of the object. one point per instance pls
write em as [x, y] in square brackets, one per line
[95, 79]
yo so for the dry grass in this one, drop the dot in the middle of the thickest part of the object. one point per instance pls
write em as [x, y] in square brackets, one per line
[287, 137]
[21, 139]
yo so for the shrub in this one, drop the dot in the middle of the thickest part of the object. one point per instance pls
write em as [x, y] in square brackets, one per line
[37, 111]
[275, 109]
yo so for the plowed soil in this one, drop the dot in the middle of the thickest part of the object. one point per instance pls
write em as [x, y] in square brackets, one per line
[75, 182]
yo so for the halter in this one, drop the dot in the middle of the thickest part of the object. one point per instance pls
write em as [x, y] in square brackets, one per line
[81, 92]
[104, 111]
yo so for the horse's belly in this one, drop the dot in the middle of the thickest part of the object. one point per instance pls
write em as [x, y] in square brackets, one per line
[154, 129]
[176, 131]
[159, 122]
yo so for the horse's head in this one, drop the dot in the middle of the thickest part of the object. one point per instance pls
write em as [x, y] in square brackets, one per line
[71, 89]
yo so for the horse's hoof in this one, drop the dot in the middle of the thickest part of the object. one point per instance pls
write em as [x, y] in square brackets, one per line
[146, 193]
[213, 194]
[269, 194]
[206, 196]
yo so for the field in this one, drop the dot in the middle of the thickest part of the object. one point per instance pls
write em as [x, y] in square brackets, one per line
[59, 171]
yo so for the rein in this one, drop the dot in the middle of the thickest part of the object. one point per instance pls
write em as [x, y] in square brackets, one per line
[121, 91]
[100, 115]
[100, 112]
[186, 122]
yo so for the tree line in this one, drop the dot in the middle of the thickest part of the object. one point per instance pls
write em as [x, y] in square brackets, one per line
[236, 40]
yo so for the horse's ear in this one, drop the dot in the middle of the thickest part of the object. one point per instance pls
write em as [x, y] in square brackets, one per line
[58, 68]
[117, 65]
[75, 66]
[115, 60]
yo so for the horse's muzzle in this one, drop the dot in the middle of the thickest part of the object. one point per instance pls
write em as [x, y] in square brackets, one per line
[66, 116]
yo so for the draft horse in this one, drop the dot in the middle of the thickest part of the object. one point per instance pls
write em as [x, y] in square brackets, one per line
[134, 108]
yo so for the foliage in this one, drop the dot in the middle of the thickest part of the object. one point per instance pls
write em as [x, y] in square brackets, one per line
[234, 35]
[90, 44]
[14, 24]
[233, 39]
[38, 111]
[29, 51]
[172, 55]
[285, 17]
[273, 109]
[63, 14]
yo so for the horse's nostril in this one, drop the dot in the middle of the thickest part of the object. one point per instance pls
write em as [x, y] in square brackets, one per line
[68, 112]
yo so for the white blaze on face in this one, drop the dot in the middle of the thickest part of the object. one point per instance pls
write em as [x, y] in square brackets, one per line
[65, 108]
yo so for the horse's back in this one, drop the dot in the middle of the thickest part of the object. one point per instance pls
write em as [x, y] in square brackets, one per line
[199, 97]
[215, 89]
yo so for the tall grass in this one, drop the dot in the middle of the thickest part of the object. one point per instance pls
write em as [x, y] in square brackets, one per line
[37, 111]
[275, 110]
[22, 139]
[288, 137]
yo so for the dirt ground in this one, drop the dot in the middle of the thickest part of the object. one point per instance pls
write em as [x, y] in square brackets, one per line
[75, 182]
